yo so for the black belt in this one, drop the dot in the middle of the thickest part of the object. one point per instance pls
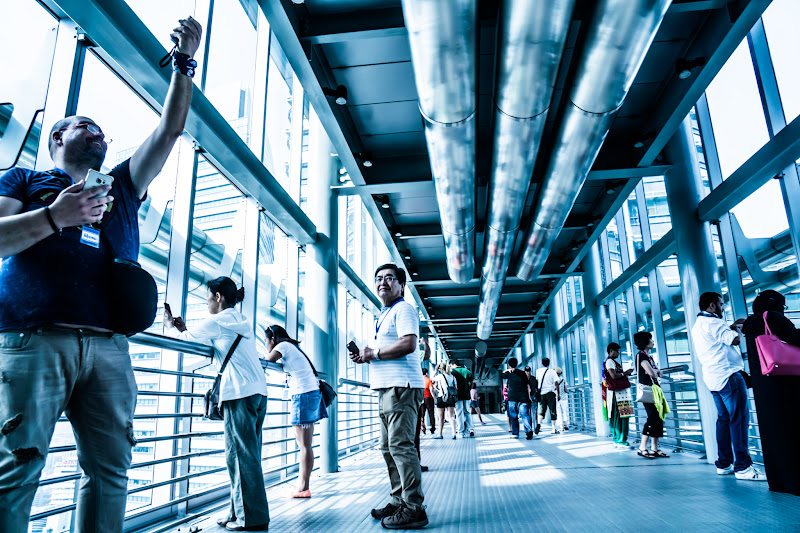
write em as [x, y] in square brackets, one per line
[80, 332]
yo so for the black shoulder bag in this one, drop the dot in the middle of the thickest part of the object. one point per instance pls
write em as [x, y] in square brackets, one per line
[328, 394]
[132, 294]
[211, 408]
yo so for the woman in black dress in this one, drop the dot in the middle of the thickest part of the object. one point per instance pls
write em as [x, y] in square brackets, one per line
[648, 374]
[777, 397]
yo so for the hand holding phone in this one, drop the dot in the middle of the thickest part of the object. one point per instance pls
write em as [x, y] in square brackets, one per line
[97, 179]
[352, 347]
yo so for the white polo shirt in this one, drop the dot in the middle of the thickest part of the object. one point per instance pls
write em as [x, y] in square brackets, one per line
[547, 378]
[712, 339]
[394, 322]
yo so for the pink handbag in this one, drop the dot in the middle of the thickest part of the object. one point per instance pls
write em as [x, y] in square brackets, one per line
[777, 357]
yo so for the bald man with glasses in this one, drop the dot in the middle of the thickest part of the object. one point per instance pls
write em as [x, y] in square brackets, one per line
[57, 350]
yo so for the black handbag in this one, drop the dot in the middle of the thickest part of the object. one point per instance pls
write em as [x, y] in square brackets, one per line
[211, 408]
[132, 293]
[328, 394]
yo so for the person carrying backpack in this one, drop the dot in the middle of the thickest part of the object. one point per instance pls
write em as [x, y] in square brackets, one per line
[446, 395]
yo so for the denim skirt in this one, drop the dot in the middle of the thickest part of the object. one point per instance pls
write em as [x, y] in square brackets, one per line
[307, 408]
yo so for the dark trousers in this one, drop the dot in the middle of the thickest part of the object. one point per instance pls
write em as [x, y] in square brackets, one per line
[243, 420]
[428, 406]
[733, 424]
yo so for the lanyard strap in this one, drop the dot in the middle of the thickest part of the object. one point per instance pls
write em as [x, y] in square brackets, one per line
[383, 317]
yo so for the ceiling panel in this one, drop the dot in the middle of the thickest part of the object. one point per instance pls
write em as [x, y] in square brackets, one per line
[375, 84]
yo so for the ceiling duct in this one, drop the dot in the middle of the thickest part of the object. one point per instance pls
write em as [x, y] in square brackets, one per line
[442, 35]
[531, 37]
[619, 35]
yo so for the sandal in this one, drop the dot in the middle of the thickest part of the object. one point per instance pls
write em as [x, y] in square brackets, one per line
[659, 453]
[645, 454]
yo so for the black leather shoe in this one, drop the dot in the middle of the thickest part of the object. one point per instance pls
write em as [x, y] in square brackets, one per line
[383, 512]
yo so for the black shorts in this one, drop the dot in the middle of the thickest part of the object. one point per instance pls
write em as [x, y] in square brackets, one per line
[440, 403]
[548, 400]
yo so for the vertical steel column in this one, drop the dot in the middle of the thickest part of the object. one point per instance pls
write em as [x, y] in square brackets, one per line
[596, 332]
[730, 258]
[322, 267]
[776, 121]
[697, 264]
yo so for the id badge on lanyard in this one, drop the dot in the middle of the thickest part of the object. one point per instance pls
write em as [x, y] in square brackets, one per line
[383, 316]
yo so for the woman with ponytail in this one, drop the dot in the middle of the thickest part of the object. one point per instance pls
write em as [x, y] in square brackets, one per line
[243, 400]
[306, 406]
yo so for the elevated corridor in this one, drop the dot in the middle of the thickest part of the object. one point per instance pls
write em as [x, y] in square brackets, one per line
[568, 482]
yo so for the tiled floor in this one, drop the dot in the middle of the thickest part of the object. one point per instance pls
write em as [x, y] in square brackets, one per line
[567, 482]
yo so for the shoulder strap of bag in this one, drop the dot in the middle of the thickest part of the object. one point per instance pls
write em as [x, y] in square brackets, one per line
[307, 359]
[766, 325]
[230, 353]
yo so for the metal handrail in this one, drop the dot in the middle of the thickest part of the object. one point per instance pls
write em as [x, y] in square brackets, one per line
[365, 433]
[354, 383]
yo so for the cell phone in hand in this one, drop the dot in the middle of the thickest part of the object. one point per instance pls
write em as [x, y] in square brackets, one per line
[352, 347]
[96, 179]
[167, 308]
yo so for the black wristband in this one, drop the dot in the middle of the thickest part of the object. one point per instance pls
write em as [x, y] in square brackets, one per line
[184, 64]
[51, 221]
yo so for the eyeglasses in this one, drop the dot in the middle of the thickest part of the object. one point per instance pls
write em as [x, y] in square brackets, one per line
[389, 279]
[94, 129]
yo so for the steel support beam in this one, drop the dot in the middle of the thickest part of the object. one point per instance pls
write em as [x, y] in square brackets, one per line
[650, 259]
[720, 39]
[321, 328]
[387, 188]
[697, 265]
[627, 173]
[767, 163]
[596, 333]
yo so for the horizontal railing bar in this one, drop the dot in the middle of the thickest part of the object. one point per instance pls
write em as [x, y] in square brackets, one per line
[168, 343]
[171, 372]
[352, 382]
[178, 479]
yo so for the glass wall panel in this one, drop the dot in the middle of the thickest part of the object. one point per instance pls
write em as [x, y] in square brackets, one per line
[278, 138]
[231, 65]
[655, 193]
[614, 250]
[740, 128]
[26, 23]
[633, 227]
[162, 17]
[780, 23]
[273, 268]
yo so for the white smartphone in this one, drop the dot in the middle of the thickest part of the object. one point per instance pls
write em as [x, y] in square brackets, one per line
[96, 179]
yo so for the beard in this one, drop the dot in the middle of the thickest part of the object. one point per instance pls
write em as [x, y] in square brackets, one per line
[90, 155]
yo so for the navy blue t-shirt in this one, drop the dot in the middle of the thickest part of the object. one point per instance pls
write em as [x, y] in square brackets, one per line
[59, 279]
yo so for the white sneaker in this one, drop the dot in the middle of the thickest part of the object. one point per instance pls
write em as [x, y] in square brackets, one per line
[751, 474]
[724, 471]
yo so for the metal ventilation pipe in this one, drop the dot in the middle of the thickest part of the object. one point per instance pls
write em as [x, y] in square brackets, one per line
[531, 38]
[442, 35]
[620, 34]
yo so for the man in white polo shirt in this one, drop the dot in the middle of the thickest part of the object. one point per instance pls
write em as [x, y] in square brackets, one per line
[715, 344]
[396, 374]
[548, 380]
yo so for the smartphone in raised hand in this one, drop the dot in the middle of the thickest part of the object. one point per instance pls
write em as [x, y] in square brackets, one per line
[352, 347]
[97, 179]
[167, 308]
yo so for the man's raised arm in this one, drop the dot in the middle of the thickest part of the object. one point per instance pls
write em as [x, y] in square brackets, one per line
[150, 157]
